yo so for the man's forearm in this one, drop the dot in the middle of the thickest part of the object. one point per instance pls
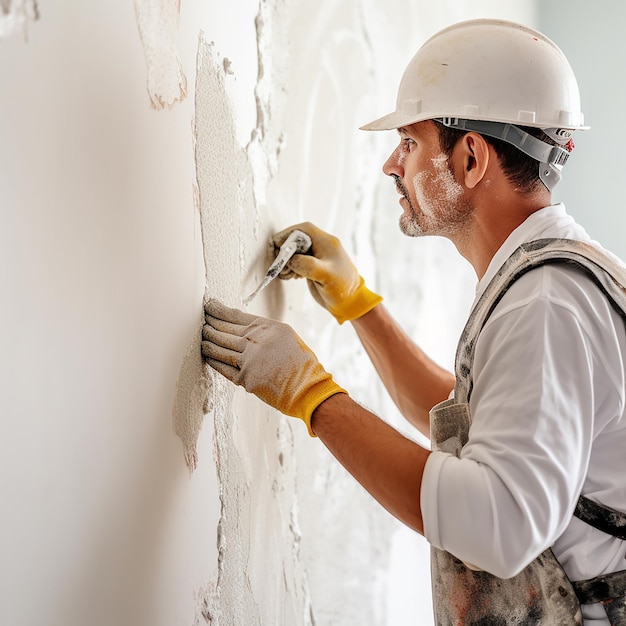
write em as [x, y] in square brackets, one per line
[414, 381]
[386, 463]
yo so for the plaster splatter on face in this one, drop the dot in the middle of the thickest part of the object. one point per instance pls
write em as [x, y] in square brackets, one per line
[445, 183]
[158, 21]
[439, 198]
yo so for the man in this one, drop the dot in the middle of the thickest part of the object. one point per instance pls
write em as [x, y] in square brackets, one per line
[533, 418]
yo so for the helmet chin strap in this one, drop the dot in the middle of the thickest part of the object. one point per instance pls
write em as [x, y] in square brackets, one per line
[551, 158]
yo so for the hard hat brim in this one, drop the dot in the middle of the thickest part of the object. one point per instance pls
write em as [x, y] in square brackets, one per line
[391, 121]
[398, 119]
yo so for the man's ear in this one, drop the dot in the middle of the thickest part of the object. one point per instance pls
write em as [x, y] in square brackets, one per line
[475, 154]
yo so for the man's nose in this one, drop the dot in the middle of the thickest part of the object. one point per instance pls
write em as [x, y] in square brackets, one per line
[393, 165]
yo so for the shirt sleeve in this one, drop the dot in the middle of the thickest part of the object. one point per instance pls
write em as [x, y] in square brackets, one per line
[513, 490]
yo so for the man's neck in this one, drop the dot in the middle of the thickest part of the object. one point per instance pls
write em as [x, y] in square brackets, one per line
[490, 226]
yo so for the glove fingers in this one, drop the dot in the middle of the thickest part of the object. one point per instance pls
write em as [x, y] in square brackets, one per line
[228, 371]
[214, 352]
[214, 308]
[287, 274]
[228, 328]
[306, 266]
[223, 339]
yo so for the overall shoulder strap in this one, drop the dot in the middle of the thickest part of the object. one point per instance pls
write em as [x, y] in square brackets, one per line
[608, 275]
[604, 518]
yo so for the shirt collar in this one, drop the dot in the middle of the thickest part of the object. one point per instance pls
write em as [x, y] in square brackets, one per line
[539, 224]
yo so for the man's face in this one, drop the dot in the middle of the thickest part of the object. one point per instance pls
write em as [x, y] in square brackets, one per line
[434, 202]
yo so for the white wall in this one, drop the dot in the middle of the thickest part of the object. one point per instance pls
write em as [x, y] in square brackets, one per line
[106, 204]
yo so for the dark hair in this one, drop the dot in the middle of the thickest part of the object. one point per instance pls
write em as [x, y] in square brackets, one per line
[519, 168]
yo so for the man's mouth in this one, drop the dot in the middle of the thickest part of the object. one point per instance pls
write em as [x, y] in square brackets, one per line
[401, 189]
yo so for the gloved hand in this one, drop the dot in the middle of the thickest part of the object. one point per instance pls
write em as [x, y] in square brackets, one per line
[332, 278]
[268, 359]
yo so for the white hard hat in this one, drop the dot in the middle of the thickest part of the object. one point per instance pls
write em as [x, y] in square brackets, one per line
[492, 76]
[491, 70]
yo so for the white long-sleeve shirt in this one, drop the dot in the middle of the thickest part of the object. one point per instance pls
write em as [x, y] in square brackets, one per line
[548, 424]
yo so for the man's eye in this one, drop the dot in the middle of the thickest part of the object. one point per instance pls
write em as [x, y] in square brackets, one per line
[407, 142]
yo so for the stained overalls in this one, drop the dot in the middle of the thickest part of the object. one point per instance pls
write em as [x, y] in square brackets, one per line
[541, 593]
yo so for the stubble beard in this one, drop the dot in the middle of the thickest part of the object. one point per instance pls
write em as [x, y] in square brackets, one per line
[408, 221]
[442, 211]
[409, 225]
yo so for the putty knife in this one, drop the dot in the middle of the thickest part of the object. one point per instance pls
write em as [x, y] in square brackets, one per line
[297, 243]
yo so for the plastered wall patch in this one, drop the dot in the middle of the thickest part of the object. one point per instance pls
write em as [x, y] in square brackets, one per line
[216, 198]
[193, 399]
[222, 175]
[158, 23]
[15, 14]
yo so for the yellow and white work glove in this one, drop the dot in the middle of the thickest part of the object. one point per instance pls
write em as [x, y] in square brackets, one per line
[332, 278]
[266, 358]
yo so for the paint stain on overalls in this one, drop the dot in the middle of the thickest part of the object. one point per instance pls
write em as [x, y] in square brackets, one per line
[541, 594]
